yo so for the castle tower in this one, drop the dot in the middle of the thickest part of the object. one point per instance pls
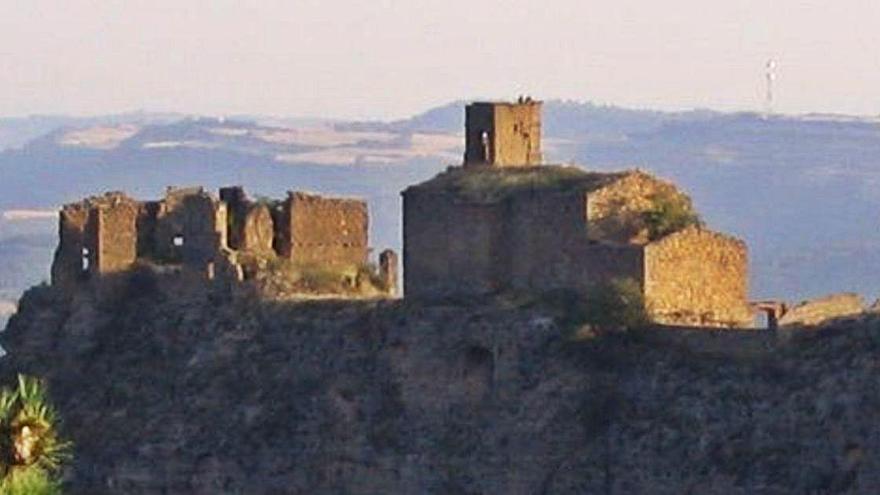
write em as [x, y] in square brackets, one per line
[501, 134]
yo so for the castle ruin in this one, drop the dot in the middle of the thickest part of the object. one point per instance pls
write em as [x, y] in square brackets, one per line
[505, 221]
[194, 230]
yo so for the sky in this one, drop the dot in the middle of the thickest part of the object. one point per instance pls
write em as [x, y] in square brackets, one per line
[385, 59]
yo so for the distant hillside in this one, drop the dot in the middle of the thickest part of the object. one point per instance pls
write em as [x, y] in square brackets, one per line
[562, 119]
[801, 191]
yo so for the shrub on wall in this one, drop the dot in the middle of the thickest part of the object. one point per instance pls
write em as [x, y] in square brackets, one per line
[616, 304]
[670, 213]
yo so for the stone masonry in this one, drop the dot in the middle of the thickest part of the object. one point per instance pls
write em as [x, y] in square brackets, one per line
[520, 226]
[503, 134]
[316, 229]
[200, 233]
[697, 277]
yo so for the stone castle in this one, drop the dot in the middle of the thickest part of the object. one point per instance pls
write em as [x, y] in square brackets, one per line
[501, 221]
[210, 236]
[505, 221]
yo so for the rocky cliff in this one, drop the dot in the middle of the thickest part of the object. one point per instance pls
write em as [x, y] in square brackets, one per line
[212, 392]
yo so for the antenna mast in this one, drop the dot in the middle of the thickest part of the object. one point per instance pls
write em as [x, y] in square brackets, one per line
[770, 74]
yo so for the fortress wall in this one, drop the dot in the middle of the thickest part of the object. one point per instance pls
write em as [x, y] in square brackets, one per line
[111, 236]
[325, 230]
[257, 229]
[196, 221]
[479, 118]
[473, 231]
[518, 134]
[697, 277]
[237, 205]
[147, 220]
[513, 133]
[67, 265]
[816, 311]
[603, 263]
[448, 245]
[542, 236]
[545, 246]
[614, 211]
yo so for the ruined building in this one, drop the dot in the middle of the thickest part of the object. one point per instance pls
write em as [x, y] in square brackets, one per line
[502, 134]
[194, 230]
[504, 221]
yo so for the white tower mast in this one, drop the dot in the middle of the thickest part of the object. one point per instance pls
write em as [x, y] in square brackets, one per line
[770, 74]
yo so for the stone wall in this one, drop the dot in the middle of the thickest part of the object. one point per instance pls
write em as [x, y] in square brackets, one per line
[517, 134]
[257, 229]
[545, 245]
[532, 241]
[448, 245]
[697, 277]
[816, 311]
[389, 270]
[237, 204]
[331, 231]
[192, 233]
[111, 235]
[251, 227]
[68, 265]
[503, 134]
[614, 212]
[191, 227]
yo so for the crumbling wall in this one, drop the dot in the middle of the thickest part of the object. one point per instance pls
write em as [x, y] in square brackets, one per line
[696, 277]
[503, 134]
[237, 205]
[188, 233]
[111, 235]
[816, 311]
[479, 129]
[191, 227]
[518, 134]
[389, 271]
[615, 212]
[250, 225]
[147, 222]
[448, 245]
[257, 230]
[330, 231]
[69, 266]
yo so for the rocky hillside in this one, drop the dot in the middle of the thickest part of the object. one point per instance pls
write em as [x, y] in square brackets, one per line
[213, 392]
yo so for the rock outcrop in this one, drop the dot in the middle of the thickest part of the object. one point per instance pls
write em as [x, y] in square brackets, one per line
[222, 392]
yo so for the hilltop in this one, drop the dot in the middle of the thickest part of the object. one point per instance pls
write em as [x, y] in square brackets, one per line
[799, 190]
[210, 392]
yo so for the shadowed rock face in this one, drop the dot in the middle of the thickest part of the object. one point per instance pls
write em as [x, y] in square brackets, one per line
[220, 393]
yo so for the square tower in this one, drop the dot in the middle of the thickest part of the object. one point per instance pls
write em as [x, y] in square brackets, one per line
[501, 134]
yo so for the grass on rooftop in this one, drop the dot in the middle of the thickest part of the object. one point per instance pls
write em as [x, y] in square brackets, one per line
[490, 184]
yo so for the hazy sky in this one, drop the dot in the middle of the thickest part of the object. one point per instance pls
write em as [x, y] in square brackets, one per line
[391, 58]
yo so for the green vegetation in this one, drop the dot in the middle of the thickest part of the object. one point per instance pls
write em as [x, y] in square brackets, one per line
[612, 306]
[493, 184]
[616, 304]
[31, 452]
[280, 276]
[671, 213]
[369, 272]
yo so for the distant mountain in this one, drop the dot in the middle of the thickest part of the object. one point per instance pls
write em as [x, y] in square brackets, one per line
[802, 191]
[16, 132]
